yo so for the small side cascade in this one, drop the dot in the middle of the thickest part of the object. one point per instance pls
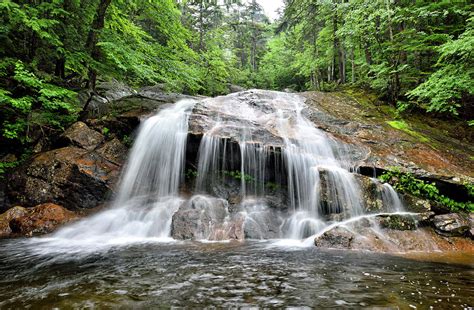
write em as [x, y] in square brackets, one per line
[391, 198]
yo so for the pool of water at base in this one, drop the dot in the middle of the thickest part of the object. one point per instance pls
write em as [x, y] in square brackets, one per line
[240, 274]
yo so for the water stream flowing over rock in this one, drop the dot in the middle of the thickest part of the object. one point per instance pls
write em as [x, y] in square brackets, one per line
[249, 165]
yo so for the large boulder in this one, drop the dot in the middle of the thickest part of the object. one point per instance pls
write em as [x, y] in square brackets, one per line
[453, 224]
[70, 176]
[100, 102]
[41, 219]
[337, 238]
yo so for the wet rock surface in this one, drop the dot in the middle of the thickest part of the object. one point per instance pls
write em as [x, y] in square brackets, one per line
[388, 240]
[82, 171]
[203, 218]
[7, 216]
[41, 219]
[398, 222]
[228, 121]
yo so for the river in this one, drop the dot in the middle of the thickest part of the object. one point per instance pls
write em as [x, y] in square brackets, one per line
[37, 274]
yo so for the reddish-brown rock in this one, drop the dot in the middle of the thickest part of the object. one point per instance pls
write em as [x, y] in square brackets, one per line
[41, 219]
[7, 216]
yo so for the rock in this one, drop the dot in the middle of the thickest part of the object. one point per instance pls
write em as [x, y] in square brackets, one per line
[5, 218]
[69, 176]
[415, 204]
[372, 194]
[41, 219]
[235, 88]
[209, 112]
[199, 218]
[107, 94]
[261, 222]
[113, 151]
[398, 222]
[120, 126]
[453, 224]
[80, 135]
[114, 90]
[338, 238]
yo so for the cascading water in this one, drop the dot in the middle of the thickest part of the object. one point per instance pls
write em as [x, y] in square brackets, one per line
[264, 171]
[274, 130]
[148, 192]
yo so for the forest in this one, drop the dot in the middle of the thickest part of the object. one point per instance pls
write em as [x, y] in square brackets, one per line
[414, 55]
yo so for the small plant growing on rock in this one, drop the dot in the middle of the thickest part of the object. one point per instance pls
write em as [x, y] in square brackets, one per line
[407, 183]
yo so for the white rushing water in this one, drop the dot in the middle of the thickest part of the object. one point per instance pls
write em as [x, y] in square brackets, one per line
[307, 155]
[261, 139]
[148, 193]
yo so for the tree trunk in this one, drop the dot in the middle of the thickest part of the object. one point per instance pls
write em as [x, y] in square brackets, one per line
[342, 64]
[353, 66]
[201, 26]
[93, 38]
[335, 44]
[60, 67]
[368, 54]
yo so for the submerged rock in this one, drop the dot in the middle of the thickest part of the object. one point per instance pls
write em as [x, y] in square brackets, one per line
[453, 224]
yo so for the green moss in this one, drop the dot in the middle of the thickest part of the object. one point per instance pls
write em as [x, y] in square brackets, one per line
[365, 99]
[401, 125]
[388, 110]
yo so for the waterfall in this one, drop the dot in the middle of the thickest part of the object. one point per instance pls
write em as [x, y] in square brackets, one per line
[264, 171]
[308, 162]
[148, 192]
